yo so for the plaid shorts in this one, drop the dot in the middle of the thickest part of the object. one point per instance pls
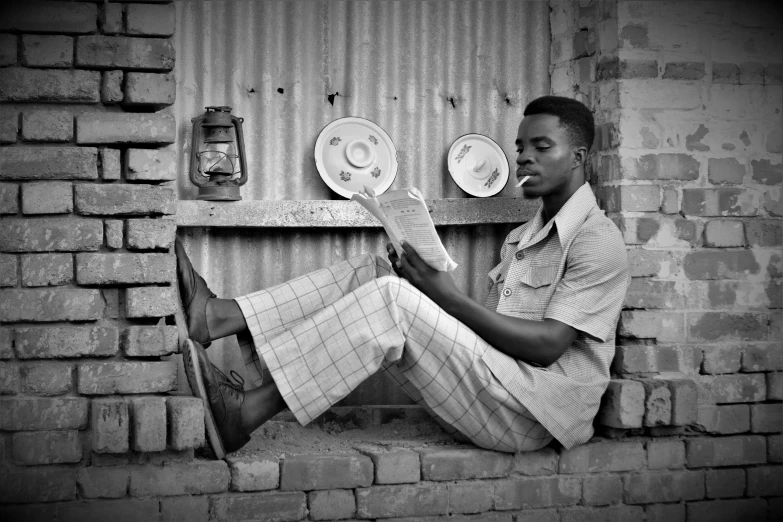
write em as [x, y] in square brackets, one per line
[320, 335]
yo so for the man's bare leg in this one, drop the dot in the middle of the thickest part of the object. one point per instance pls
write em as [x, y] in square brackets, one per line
[224, 318]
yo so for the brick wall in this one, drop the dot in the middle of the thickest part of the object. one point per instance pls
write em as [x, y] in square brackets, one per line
[687, 97]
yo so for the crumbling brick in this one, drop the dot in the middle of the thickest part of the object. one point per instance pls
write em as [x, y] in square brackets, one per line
[47, 447]
[39, 163]
[286, 506]
[683, 71]
[9, 198]
[110, 18]
[725, 419]
[307, 472]
[151, 234]
[724, 326]
[53, 197]
[111, 168]
[714, 202]
[66, 342]
[111, 86]
[729, 264]
[47, 50]
[643, 324]
[622, 405]
[603, 457]
[19, 84]
[122, 52]
[50, 484]
[124, 268]
[46, 379]
[394, 465]
[665, 454]
[725, 451]
[150, 165]
[146, 341]
[124, 128]
[110, 426]
[185, 416]
[541, 462]
[9, 379]
[188, 478]
[725, 170]
[602, 490]
[460, 464]
[109, 482]
[537, 492]
[127, 377]
[33, 414]
[47, 126]
[6, 344]
[762, 358]
[254, 474]
[662, 166]
[113, 233]
[723, 233]
[50, 235]
[150, 302]
[50, 305]
[129, 200]
[663, 486]
[8, 270]
[47, 269]
[420, 499]
[148, 424]
[331, 505]
[763, 171]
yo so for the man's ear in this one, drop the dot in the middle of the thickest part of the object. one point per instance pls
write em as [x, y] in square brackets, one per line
[579, 157]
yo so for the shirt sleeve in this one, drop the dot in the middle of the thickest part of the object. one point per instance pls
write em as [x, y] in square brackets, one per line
[590, 295]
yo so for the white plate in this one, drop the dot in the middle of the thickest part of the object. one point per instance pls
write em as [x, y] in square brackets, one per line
[478, 165]
[351, 153]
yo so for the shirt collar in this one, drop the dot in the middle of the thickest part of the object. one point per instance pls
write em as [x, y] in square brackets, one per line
[567, 220]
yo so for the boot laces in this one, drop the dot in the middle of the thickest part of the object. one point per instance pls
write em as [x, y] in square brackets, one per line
[235, 385]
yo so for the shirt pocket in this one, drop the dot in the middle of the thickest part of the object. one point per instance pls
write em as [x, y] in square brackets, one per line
[535, 289]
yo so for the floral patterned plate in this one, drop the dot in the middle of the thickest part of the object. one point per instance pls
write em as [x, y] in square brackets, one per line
[353, 153]
[478, 165]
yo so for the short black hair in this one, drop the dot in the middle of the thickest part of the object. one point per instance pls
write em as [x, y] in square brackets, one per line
[574, 116]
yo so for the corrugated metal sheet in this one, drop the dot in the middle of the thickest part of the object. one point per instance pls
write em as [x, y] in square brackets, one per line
[426, 71]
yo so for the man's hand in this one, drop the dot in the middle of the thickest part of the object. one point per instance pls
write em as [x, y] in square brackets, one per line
[437, 285]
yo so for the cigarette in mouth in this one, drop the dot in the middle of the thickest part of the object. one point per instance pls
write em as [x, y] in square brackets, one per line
[522, 181]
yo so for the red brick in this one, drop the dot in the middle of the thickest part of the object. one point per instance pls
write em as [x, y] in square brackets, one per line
[144, 341]
[110, 482]
[6, 343]
[602, 457]
[46, 379]
[751, 72]
[541, 462]
[47, 51]
[49, 85]
[131, 200]
[662, 326]
[393, 465]
[639, 198]
[471, 497]
[121, 52]
[110, 426]
[724, 233]
[665, 454]
[39, 163]
[49, 16]
[8, 49]
[766, 418]
[773, 203]
[188, 478]
[285, 505]
[638, 68]
[534, 492]
[150, 20]
[124, 510]
[149, 90]
[44, 343]
[150, 165]
[308, 472]
[670, 203]
[652, 294]
[124, 268]
[725, 483]
[604, 514]
[254, 474]
[9, 198]
[111, 168]
[775, 448]
[457, 464]
[151, 301]
[737, 388]
[727, 419]
[28, 414]
[684, 399]
[110, 18]
[8, 270]
[725, 73]
[765, 481]
[331, 505]
[719, 326]
[725, 170]
[762, 358]
[765, 172]
[662, 166]
[185, 417]
[402, 500]
[634, 35]
[124, 128]
[51, 197]
[47, 126]
[708, 202]
[722, 359]
[727, 510]
[663, 486]
[113, 232]
[26, 486]
[151, 234]
[50, 234]
[127, 377]
[775, 386]
[774, 143]
[34, 305]
[683, 71]
[111, 86]
[738, 450]
[657, 403]
[148, 424]
[185, 509]
[601, 490]
[47, 447]
[9, 379]
[622, 404]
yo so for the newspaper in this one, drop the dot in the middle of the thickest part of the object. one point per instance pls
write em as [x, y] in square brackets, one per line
[405, 217]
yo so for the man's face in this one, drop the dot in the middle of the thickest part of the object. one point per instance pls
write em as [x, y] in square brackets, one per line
[544, 153]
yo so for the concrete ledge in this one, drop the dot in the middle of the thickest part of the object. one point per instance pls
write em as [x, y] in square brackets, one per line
[339, 213]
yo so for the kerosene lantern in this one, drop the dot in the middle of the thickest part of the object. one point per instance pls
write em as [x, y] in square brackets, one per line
[217, 155]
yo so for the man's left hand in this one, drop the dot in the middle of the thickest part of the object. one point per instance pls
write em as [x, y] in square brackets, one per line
[437, 285]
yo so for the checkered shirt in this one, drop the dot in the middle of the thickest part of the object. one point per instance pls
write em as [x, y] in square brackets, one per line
[573, 269]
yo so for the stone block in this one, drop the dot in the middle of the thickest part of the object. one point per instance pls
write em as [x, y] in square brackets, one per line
[150, 20]
[150, 165]
[49, 85]
[739, 450]
[729, 264]
[125, 128]
[764, 232]
[663, 486]
[394, 465]
[108, 482]
[537, 492]
[737, 388]
[725, 170]
[151, 234]
[124, 268]
[111, 167]
[187, 478]
[462, 464]
[602, 490]
[122, 52]
[47, 447]
[47, 126]
[683, 71]
[8, 50]
[111, 86]
[766, 418]
[285, 505]
[150, 90]
[423, 499]
[662, 326]
[254, 474]
[46, 379]
[149, 341]
[28, 486]
[110, 18]
[110, 426]
[724, 233]
[719, 202]
[50, 305]
[113, 232]
[8, 270]
[762, 358]
[150, 301]
[9, 198]
[119, 200]
[185, 417]
[34, 414]
[662, 166]
[53, 197]
[39, 163]
[603, 457]
[725, 483]
[332, 504]
[665, 454]
[9, 379]
[654, 294]
[763, 171]
[50, 17]
[66, 342]
[47, 50]
[309, 472]
[535, 463]
[127, 377]
[622, 405]
[722, 359]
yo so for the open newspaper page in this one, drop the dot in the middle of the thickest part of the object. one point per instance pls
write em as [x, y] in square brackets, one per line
[405, 217]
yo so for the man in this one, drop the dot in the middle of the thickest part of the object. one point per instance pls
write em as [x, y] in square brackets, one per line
[528, 366]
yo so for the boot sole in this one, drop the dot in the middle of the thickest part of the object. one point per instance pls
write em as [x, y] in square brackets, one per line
[193, 373]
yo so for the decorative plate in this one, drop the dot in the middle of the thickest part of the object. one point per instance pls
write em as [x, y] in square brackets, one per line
[478, 165]
[351, 153]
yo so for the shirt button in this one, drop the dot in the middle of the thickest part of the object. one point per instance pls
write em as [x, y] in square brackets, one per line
[520, 255]
[506, 292]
